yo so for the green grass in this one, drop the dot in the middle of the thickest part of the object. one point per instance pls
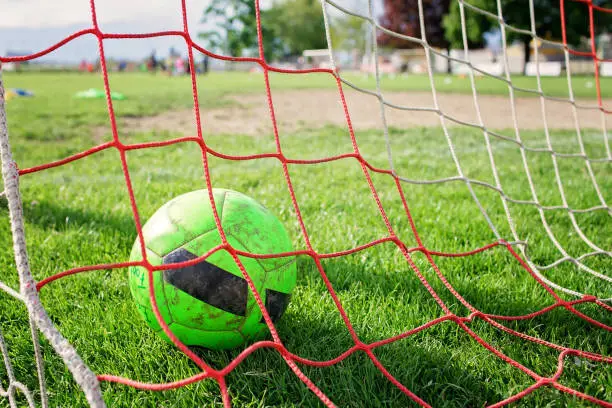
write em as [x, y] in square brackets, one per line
[55, 114]
[79, 214]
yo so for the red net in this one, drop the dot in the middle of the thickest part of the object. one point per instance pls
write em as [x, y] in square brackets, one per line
[592, 54]
[291, 359]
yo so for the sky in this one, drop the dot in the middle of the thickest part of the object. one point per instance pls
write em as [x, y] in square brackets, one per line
[33, 25]
[37, 13]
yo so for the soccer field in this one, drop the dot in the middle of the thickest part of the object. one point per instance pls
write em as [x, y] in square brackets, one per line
[79, 214]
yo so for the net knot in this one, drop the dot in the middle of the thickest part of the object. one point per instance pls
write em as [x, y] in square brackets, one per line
[459, 319]
[359, 345]
[546, 381]
[119, 145]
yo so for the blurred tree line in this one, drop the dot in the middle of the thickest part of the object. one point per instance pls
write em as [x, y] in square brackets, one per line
[516, 13]
[291, 26]
[288, 27]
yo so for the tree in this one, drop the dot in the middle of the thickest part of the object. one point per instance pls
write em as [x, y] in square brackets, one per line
[349, 33]
[476, 24]
[236, 29]
[288, 27]
[298, 24]
[516, 13]
[402, 16]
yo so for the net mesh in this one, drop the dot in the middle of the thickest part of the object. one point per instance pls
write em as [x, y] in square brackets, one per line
[515, 246]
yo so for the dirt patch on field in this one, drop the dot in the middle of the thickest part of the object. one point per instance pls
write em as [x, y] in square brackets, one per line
[317, 108]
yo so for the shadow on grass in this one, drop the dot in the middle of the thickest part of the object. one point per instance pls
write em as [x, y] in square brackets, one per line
[52, 216]
[443, 365]
[426, 363]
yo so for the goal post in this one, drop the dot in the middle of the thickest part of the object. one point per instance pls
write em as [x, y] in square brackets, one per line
[515, 244]
[39, 320]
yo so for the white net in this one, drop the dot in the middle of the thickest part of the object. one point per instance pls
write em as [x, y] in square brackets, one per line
[445, 118]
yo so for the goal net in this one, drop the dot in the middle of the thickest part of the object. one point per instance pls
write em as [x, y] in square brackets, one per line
[582, 250]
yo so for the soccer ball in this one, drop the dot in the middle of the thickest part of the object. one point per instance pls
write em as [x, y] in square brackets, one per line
[210, 304]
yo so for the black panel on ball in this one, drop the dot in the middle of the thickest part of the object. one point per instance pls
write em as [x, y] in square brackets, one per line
[207, 282]
[276, 304]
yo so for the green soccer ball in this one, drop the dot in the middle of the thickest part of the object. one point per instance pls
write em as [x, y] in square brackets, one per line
[210, 304]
